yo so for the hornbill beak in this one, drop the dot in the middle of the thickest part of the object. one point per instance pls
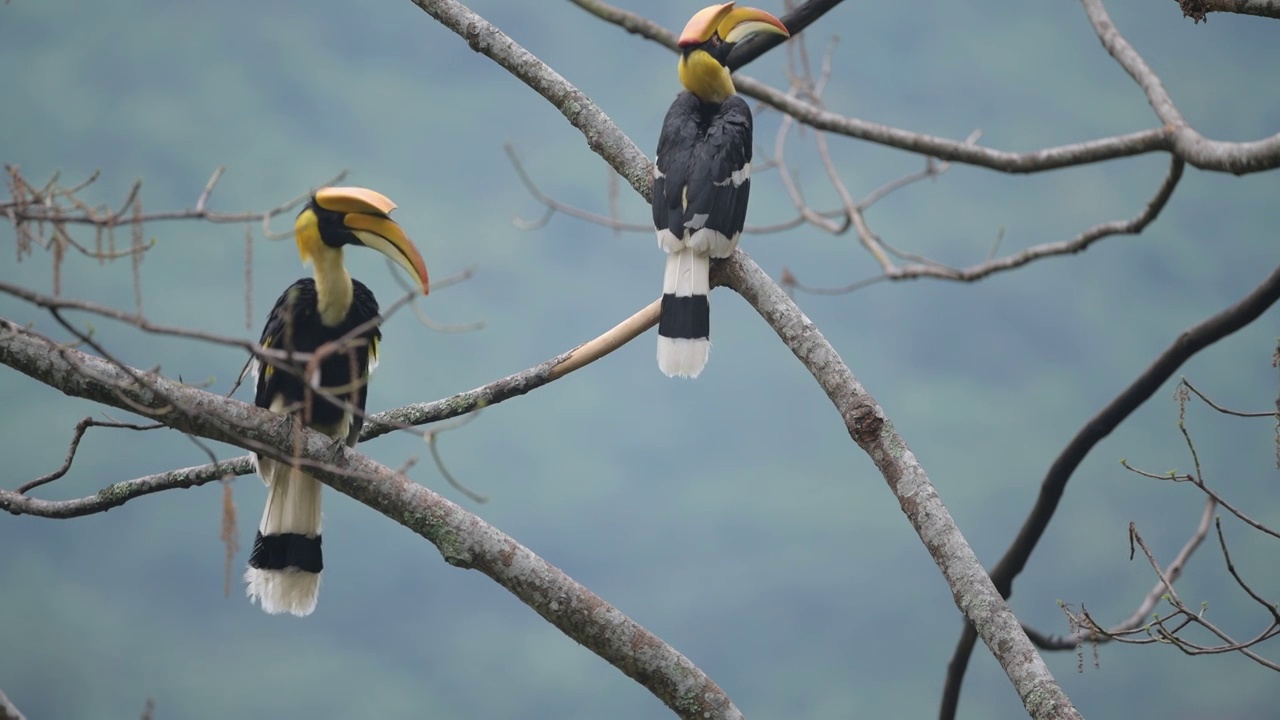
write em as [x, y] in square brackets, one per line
[364, 214]
[731, 24]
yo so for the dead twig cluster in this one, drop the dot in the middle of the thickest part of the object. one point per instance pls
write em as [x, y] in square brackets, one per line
[1147, 625]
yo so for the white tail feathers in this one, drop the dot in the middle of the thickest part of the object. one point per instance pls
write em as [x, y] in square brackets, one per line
[685, 323]
[290, 590]
[687, 273]
[284, 568]
[682, 357]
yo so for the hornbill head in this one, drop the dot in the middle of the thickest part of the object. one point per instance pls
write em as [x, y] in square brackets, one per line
[706, 41]
[338, 216]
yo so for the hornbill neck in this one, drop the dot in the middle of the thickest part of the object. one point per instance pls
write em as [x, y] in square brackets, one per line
[333, 286]
[704, 76]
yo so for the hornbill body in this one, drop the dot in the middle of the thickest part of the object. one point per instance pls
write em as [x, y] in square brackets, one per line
[702, 179]
[334, 319]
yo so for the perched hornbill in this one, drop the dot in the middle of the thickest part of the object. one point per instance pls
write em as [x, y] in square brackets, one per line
[701, 179]
[285, 565]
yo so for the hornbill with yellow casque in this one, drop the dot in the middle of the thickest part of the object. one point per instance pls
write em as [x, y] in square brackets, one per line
[327, 390]
[701, 179]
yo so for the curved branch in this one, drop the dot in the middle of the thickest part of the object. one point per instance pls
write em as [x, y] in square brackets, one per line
[464, 540]
[1098, 427]
[973, 592]
[1079, 243]
[1238, 158]
[76, 436]
[517, 384]
[1234, 157]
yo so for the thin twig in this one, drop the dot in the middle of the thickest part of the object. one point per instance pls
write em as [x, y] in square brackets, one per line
[77, 434]
[1015, 558]
[1138, 619]
[1227, 411]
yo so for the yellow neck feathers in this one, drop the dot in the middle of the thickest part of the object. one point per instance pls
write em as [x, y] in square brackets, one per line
[333, 286]
[334, 290]
[705, 77]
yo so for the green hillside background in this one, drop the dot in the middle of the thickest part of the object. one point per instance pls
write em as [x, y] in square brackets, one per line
[732, 515]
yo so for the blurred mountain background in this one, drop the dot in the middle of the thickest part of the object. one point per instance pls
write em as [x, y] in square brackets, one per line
[731, 515]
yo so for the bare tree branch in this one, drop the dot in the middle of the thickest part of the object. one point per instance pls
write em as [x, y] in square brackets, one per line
[464, 540]
[1238, 158]
[1227, 411]
[872, 430]
[376, 425]
[1034, 683]
[1142, 614]
[7, 709]
[1188, 343]
[42, 207]
[1198, 9]
[77, 435]
[1181, 140]
[1198, 618]
[1197, 477]
[1079, 243]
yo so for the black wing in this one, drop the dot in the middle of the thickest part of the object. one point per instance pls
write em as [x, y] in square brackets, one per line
[699, 151]
[294, 325]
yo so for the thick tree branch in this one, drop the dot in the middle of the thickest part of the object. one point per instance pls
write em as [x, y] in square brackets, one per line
[1031, 678]
[872, 430]
[1054, 484]
[464, 540]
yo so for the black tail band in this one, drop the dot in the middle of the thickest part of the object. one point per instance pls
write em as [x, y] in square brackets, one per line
[286, 551]
[685, 317]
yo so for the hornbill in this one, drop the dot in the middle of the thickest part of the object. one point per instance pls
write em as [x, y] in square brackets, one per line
[701, 179]
[334, 319]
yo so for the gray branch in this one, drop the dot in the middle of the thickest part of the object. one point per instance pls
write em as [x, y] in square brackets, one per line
[1176, 138]
[8, 711]
[464, 540]
[1197, 9]
[1234, 157]
[871, 429]
[973, 591]
[467, 541]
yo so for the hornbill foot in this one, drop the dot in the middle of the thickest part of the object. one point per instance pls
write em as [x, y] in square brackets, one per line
[335, 450]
